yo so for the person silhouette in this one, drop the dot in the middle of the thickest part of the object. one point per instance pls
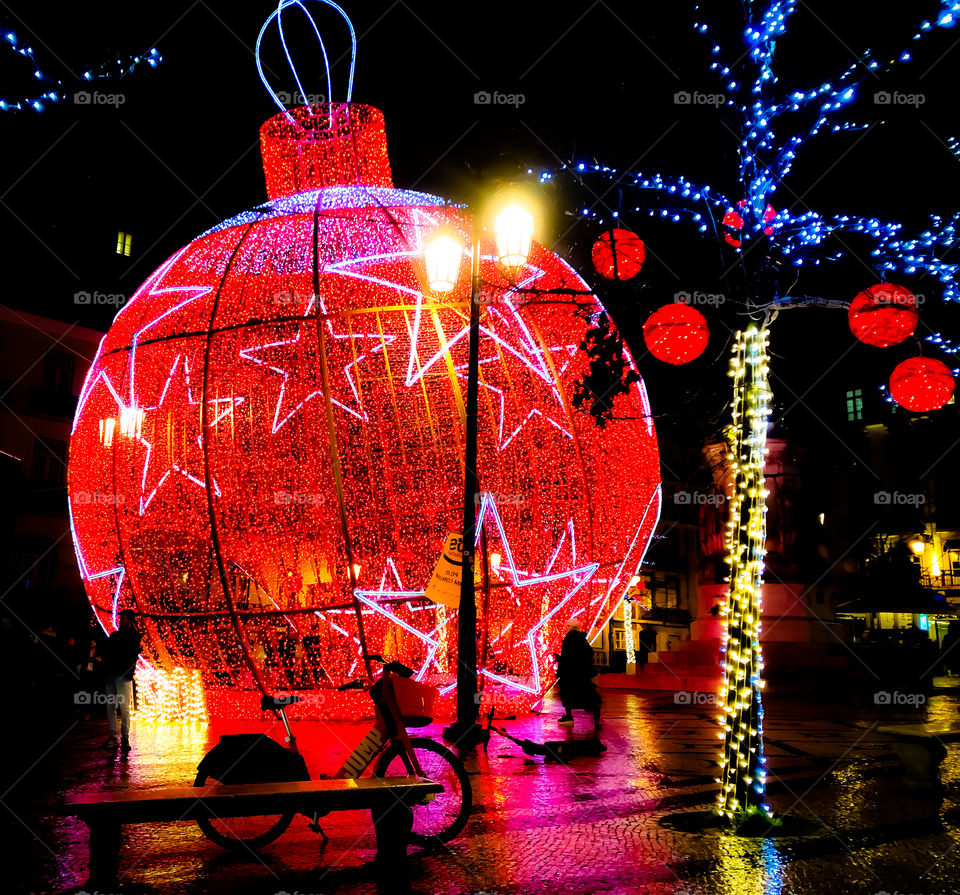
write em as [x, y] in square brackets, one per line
[575, 675]
[120, 653]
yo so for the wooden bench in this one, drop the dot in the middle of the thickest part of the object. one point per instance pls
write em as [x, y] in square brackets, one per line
[105, 813]
[921, 748]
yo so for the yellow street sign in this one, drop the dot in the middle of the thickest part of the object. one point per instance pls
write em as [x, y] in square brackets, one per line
[444, 584]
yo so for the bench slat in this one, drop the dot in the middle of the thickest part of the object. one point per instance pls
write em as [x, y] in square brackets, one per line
[244, 800]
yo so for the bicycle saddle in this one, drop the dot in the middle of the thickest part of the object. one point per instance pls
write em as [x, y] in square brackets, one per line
[275, 703]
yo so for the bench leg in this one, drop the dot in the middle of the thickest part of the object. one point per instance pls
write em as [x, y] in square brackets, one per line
[393, 825]
[922, 761]
[104, 854]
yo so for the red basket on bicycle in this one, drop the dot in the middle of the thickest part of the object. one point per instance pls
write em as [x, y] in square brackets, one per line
[416, 701]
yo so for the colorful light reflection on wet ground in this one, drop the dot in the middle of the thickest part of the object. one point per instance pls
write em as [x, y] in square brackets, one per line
[591, 826]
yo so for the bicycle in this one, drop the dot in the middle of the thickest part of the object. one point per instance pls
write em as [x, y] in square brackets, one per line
[400, 703]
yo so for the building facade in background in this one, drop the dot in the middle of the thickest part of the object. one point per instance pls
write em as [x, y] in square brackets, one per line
[863, 548]
[863, 557]
[43, 363]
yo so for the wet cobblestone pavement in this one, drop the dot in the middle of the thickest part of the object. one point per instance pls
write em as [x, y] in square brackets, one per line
[590, 826]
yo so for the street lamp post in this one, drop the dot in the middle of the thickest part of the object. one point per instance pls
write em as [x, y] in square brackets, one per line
[513, 228]
[467, 708]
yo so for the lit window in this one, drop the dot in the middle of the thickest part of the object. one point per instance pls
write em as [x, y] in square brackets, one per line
[124, 241]
[664, 591]
[854, 405]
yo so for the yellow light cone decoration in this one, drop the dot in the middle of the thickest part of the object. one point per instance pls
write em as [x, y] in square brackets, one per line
[165, 697]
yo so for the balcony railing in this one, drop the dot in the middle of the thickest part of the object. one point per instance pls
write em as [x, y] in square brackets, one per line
[947, 579]
[668, 616]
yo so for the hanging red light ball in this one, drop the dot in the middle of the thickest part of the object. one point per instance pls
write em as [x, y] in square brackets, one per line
[676, 333]
[278, 415]
[883, 315]
[921, 384]
[733, 220]
[618, 254]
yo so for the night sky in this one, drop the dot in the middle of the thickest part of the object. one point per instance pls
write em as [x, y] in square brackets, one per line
[597, 80]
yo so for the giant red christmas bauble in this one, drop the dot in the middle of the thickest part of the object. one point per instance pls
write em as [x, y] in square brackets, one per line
[883, 315]
[278, 412]
[676, 333]
[618, 254]
[921, 384]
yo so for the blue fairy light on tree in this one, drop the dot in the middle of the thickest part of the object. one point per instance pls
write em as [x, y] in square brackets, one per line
[774, 123]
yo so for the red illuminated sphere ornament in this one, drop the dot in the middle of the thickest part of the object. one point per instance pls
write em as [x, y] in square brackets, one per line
[734, 221]
[921, 384]
[883, 315]
[618, 254]
[676, 333]
[279, 413]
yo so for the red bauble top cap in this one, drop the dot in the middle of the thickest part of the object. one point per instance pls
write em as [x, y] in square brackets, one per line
[322, 145]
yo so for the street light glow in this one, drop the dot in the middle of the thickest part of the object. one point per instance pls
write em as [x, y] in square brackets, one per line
[513, 228]
[442, 256]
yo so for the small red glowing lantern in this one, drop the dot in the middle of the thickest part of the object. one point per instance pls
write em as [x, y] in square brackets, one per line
[883, 315]
[921, 384]
[618, 254]
[676, 334]
[734, 220]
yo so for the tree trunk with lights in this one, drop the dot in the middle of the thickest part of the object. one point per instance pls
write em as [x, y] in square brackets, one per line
[774, 122]
[742, 780]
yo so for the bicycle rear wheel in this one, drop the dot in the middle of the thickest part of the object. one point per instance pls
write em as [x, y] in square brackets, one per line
[242, 833]
[444, 817]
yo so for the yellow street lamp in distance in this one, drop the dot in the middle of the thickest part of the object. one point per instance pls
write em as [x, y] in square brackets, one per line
[443, 254]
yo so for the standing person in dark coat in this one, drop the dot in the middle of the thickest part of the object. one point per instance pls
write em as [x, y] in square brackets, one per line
[120, 654]
[950, 649]
[575, 674]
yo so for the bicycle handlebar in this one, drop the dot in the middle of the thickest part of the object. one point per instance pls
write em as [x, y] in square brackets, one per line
[397, 668]
[276, 703]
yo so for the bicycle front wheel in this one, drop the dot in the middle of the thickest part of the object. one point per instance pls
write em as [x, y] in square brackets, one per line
[445, 815]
